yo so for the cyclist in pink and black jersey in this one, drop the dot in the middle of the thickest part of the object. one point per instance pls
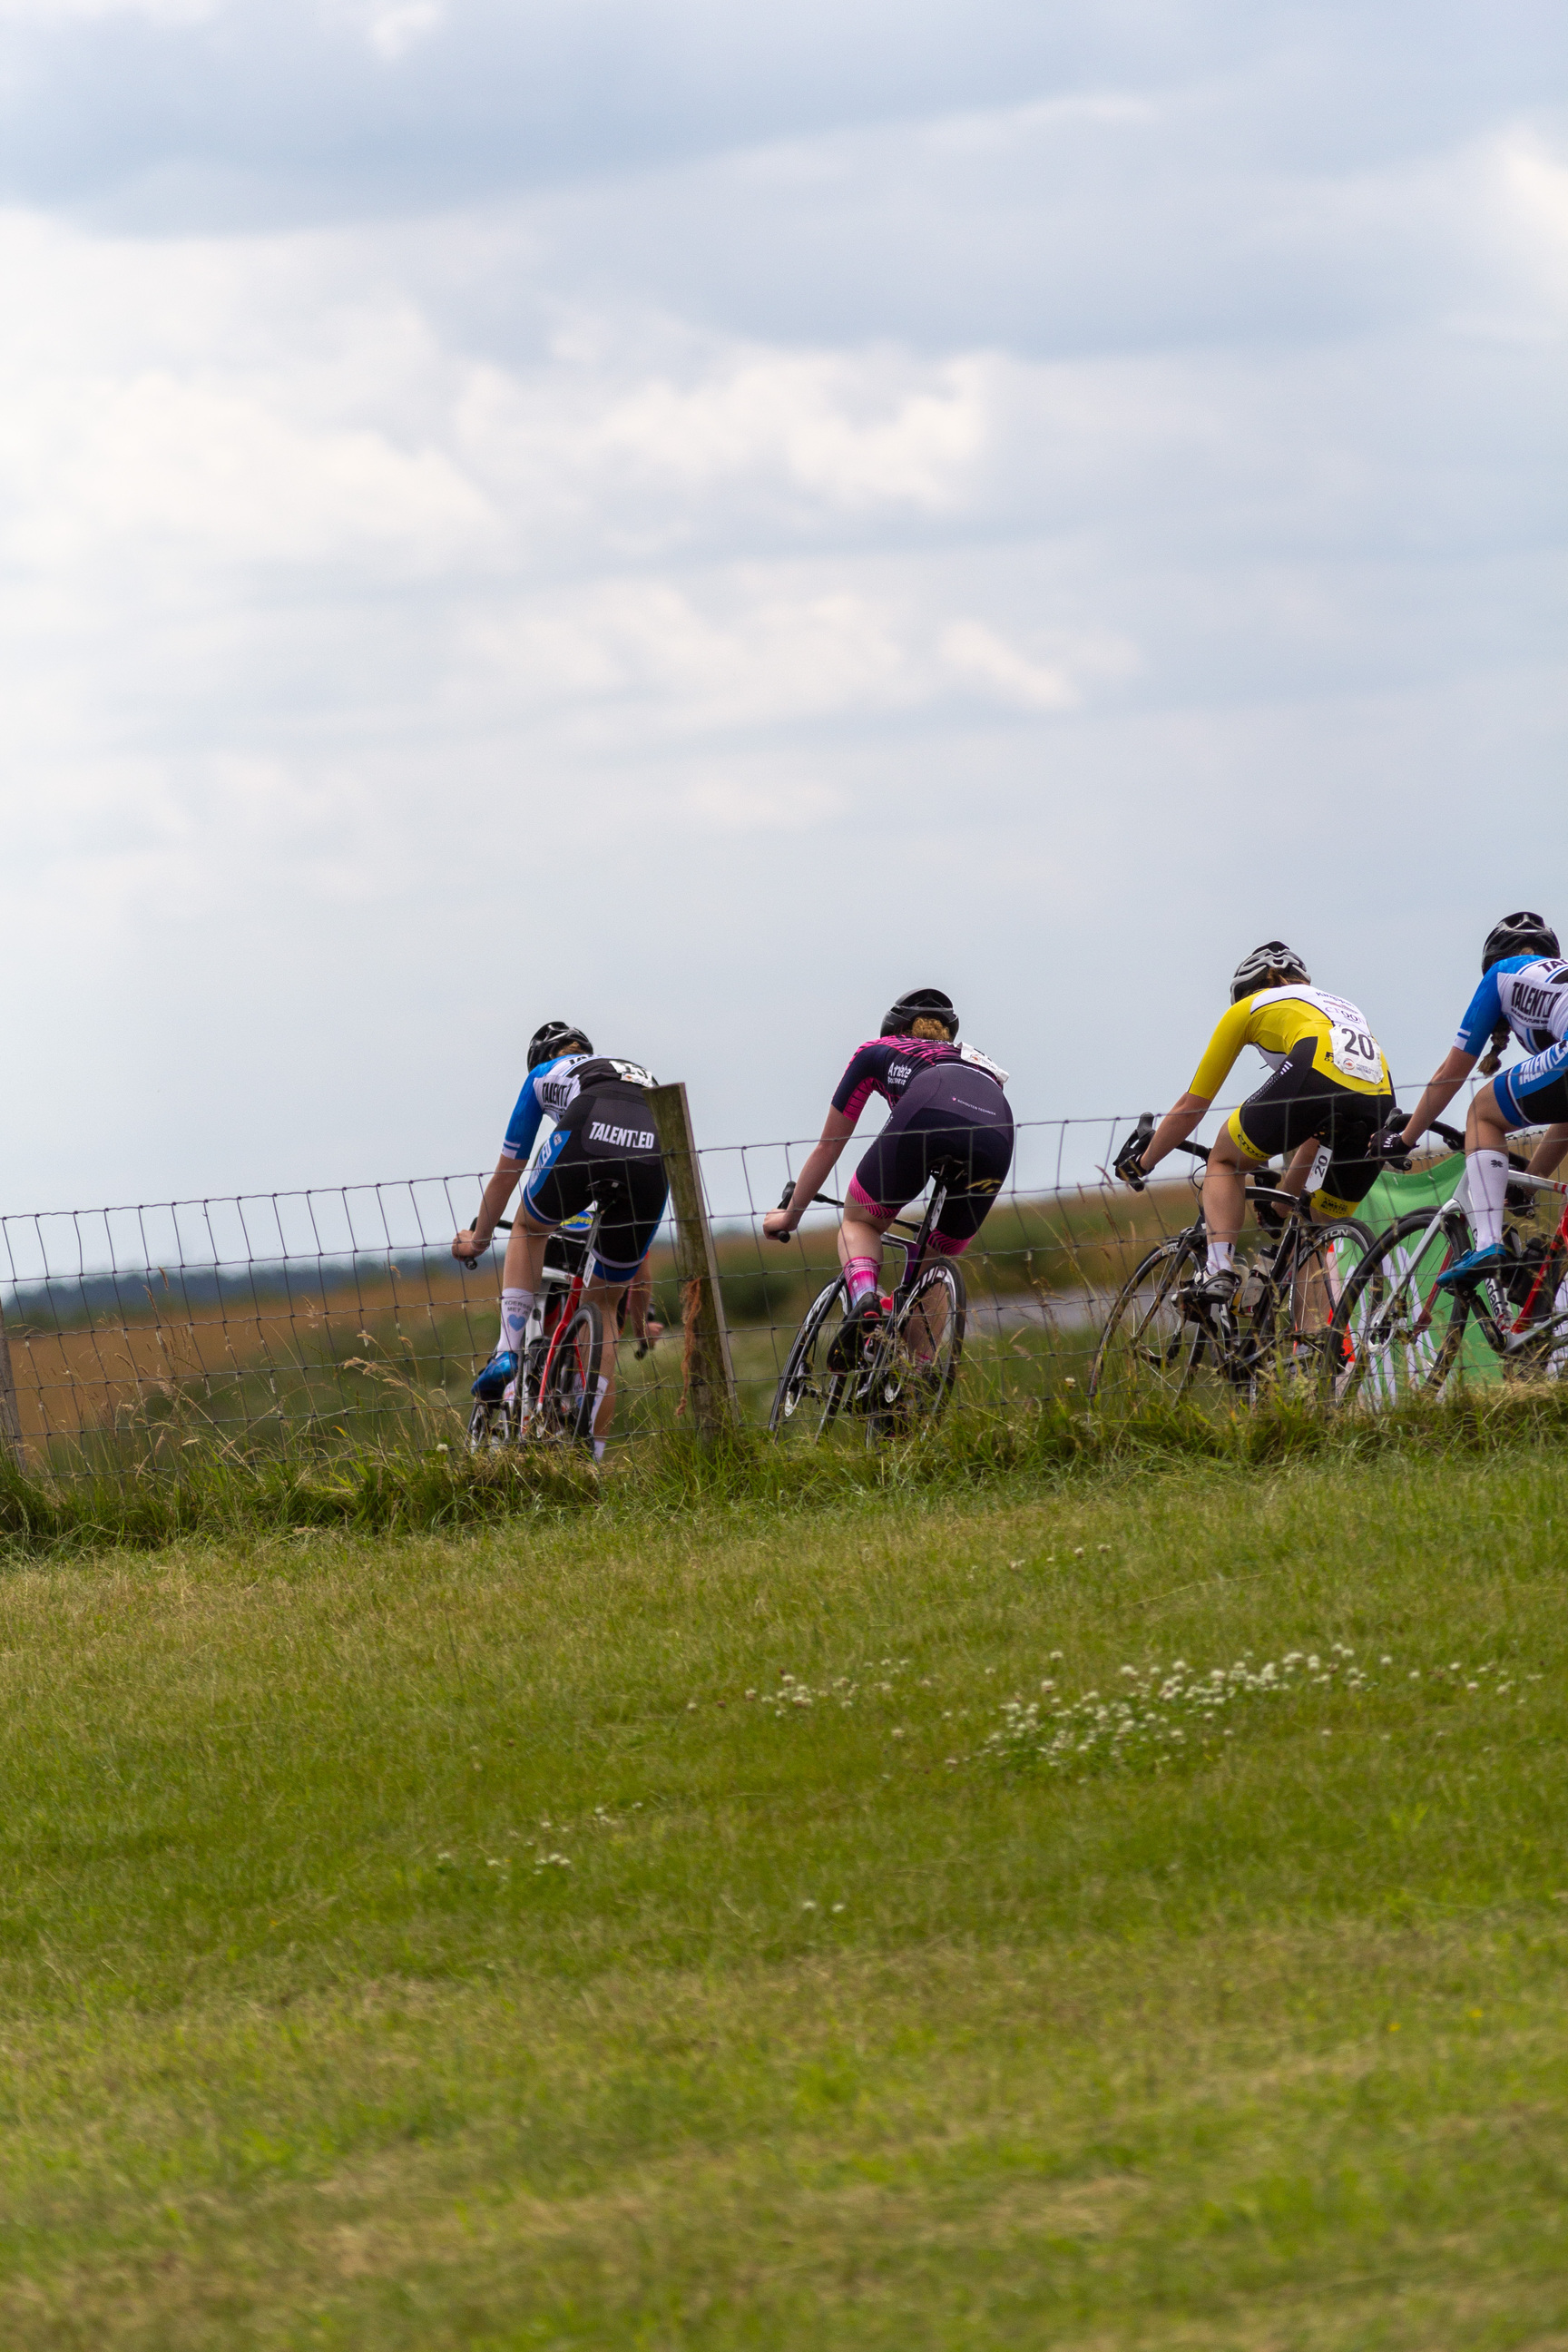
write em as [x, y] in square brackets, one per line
[947, 1109]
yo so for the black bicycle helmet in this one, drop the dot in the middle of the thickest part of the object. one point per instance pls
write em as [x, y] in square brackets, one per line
[555, 1038]
[1521, 934]
[929, 1002]
[1252, 972]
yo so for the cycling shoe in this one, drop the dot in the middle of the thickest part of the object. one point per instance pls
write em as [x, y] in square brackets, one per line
[493, 1381]
[859, 1326]
[1475, 1267]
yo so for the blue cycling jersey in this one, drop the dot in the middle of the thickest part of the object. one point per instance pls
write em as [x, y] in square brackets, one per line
[1531, 993]
[547, 1088]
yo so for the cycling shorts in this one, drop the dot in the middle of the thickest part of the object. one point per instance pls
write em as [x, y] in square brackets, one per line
[1300, 1103]
[951, 1120]
[604, 1154]
[1534, 1093]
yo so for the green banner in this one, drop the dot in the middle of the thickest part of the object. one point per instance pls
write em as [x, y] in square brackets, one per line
[1394, 1195]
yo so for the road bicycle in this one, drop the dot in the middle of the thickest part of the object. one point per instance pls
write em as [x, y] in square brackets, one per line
[557, 1384]
[1401, 1336]
[899, 1374]
[1161, 1338]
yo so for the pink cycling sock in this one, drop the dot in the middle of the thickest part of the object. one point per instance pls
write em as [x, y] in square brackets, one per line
[860, 1276]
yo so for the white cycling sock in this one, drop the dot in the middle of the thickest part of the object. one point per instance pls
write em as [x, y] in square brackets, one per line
[1489, 1183]
[1219, 1257]
[516, 1306]
[598, 1449]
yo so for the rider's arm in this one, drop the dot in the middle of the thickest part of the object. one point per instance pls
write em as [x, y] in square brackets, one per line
[497, 1193]
[1441, 1087]
[1482, 1017]
[837, 1130]
[1175, 1127]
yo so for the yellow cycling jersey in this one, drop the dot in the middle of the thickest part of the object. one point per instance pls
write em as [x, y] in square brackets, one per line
[1275, 1020]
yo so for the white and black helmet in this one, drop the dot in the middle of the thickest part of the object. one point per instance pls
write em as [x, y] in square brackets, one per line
[1521, 934]
[1252, 972]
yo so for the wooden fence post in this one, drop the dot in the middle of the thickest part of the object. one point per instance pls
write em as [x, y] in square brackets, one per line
[708, 1373]
[10, 1419]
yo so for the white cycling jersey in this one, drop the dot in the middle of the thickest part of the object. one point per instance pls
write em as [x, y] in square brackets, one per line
[1531, 993]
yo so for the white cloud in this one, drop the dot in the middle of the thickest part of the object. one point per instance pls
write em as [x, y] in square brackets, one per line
[369, 593]
[983, 657]
[840, 427]
[394, 31]
[1535, 183]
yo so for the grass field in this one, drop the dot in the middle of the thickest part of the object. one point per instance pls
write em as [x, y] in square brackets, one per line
[659, 1929]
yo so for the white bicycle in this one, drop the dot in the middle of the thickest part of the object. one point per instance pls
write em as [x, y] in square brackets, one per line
[1398, 1335]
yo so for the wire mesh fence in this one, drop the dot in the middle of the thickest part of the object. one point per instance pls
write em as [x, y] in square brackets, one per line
[335, 1318]
[337, 1315]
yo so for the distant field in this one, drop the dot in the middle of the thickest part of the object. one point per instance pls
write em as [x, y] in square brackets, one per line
[655, 1931]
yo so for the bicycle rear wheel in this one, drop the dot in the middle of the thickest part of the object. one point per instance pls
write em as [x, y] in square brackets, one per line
[811, 1387]
[571, 1384]
[917, 1363]
[1396, 1335]
[1150, 1347]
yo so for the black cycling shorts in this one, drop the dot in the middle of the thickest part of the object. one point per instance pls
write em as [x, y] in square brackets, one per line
[953, 1120]
[604, 1154]
[1299, 1104]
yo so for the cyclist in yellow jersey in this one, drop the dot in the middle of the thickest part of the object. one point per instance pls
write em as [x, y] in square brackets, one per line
[1325, 1103]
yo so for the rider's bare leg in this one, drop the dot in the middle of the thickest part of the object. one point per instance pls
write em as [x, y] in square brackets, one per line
[525, 1252]
[1543, 1159]
[1224, 1195]
[606, 1297]
[1297, 1168]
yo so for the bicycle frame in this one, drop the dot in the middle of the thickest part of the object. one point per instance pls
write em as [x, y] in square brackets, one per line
[914, 1241]
[573, 1284]
[1512, 1334]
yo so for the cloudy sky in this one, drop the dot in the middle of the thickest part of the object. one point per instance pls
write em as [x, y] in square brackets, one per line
[695, 518]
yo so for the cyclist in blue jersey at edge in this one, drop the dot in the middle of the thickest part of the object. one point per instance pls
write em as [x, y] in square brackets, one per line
[1524, 995]
[946, 1106]
[603, 1155]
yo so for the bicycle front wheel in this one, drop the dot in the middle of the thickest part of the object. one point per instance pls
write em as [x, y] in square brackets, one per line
[812, 1385]
[571, 1384]
[1150, 1347]
[1395, 1334]
[919, 1362]
[1294, 1341]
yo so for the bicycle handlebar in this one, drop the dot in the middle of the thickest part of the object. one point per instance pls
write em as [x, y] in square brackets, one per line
[898, 1224]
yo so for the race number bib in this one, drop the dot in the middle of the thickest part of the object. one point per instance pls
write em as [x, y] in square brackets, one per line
[980, 1061]
[1353, 1050]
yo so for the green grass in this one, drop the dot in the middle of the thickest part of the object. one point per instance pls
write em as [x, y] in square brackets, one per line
[814, 2036]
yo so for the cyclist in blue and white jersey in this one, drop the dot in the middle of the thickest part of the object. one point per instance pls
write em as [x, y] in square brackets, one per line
[1523, 994]
[603, 1158]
